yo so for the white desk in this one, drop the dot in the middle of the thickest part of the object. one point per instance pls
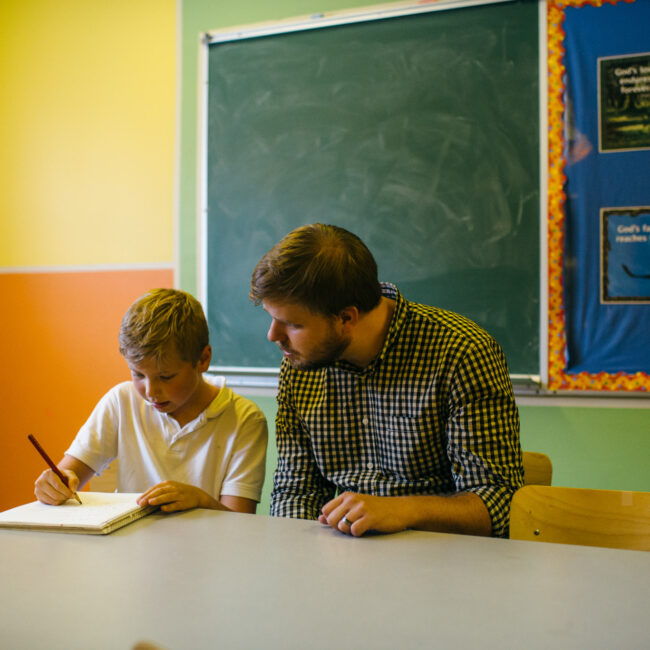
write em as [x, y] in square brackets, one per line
[204, 579]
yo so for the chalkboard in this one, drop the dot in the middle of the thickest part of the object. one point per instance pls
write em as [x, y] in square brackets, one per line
[420, 133]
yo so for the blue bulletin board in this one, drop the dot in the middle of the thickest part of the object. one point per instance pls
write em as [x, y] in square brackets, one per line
[599, 205]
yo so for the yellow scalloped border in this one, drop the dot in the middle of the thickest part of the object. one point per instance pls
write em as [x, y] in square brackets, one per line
[558, 378]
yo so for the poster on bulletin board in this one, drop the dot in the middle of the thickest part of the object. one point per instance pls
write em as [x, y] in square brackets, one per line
[625, 242]
[599, 194]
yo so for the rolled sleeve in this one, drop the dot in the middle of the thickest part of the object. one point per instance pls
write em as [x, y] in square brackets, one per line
[483, 433]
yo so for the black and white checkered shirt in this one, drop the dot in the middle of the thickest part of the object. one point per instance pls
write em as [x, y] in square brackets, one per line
[433, 413]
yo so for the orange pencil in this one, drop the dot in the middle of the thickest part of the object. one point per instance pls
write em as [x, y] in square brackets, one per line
[53, 467]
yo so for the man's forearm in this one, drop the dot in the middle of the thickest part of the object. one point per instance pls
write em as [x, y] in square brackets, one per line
[357, 514]
[458, 513]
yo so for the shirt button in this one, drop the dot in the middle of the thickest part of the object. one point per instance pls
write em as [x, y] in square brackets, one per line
[370, 465]
[365, 422]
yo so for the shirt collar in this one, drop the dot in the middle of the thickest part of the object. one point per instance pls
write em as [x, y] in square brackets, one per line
[221, 399]
[211, 411]
[388, 290]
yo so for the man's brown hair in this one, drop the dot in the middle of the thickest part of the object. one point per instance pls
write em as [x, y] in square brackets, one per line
[323, 267]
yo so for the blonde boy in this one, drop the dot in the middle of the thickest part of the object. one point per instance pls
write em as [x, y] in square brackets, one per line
[183, 439]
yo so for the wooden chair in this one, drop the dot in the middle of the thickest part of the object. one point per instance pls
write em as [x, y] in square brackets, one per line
[538, 469]
[612, 518]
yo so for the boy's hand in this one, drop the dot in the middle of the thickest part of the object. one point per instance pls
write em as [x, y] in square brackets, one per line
[50, 490]
[172, 496]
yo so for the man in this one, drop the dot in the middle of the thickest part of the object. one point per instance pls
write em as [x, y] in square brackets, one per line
[391, 414]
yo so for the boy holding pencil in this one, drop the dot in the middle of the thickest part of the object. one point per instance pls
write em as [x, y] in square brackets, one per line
[183, 439]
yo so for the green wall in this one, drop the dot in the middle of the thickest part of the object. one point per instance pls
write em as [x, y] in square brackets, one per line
[605, 447]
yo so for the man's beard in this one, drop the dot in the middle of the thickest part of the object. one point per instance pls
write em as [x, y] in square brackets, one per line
[324, 355]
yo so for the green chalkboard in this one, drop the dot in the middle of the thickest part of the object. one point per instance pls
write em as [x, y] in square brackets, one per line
[420, 133]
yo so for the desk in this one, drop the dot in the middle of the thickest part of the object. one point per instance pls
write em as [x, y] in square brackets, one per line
[205, 579]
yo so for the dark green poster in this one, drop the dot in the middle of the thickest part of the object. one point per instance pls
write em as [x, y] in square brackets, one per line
[624, 84]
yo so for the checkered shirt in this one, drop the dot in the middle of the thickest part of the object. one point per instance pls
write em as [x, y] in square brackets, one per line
[433, 413]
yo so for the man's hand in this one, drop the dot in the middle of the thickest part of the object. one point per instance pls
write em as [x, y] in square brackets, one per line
[356, 514]
[172, 496]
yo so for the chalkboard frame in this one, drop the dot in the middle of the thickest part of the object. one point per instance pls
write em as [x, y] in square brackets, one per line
[266, 376]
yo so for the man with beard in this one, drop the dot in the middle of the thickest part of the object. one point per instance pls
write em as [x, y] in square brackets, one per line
[391, 414]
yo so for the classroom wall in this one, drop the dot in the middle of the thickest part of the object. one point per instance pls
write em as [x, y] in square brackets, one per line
[198, 17]
[87, 125]
[604, 446]
[90, 136]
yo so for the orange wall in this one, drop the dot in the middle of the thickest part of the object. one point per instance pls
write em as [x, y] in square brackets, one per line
[59, 351]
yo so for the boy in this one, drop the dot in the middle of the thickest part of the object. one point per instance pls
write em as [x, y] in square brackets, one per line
[181, 438]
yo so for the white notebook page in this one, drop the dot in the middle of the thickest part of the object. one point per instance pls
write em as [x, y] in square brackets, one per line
[96, 510]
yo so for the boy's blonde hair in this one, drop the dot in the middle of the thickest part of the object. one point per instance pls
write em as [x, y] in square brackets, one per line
[163, 321]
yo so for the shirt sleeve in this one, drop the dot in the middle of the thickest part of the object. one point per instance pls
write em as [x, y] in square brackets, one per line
[299, 488]
[96, 443]
[247, 467]
[483, 432]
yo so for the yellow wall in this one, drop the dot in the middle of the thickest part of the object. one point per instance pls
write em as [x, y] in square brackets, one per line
[87, 129]
[87, 125]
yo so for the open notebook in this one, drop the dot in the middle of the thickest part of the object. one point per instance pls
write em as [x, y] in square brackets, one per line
[99, 514]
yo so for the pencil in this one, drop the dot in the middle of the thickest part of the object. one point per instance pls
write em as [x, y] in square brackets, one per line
[53, 467]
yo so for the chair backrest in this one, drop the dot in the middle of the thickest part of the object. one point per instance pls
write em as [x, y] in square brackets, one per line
[538, 469]
[612, 518]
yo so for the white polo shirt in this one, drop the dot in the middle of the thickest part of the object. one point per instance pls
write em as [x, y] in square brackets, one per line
[222, 451]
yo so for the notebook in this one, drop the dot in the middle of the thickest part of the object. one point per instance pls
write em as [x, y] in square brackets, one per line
[99, 514]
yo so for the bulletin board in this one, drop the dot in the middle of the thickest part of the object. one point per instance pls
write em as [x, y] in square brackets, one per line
[599, 195]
